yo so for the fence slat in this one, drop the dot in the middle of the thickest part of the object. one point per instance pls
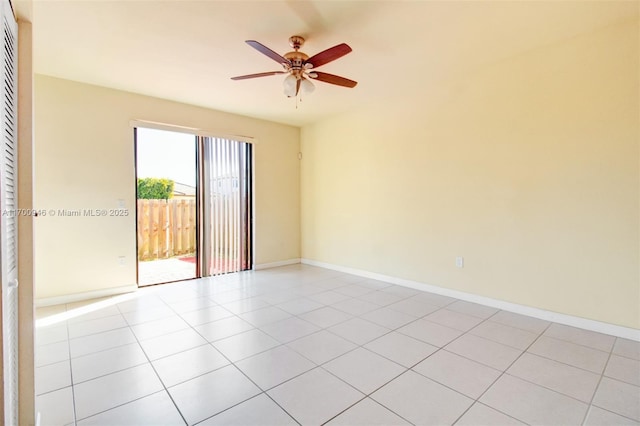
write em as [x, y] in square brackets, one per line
[165, 228]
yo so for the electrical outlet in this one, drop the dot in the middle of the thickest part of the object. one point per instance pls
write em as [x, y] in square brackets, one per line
[120, 203]
[459, 262]
[121, 260]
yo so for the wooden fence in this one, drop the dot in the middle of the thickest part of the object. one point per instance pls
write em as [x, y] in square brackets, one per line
[166, 228]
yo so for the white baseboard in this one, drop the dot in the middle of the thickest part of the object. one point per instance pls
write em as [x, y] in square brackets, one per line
[87, 295]
[260, 266]
[584, 323]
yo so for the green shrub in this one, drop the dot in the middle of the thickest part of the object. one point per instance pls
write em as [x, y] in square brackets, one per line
[155, 188]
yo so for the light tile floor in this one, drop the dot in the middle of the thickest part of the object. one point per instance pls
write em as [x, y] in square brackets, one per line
[304, 345]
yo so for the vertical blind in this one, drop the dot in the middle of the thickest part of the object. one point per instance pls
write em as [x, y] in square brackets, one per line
[226, 206]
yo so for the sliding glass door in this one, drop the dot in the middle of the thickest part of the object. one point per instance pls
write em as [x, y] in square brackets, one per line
[194, 208]
[227, 206]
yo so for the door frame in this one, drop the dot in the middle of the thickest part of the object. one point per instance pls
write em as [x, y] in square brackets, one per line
[199, 134]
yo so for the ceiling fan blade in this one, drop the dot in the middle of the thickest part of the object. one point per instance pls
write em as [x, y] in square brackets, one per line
[334, 79]
[261, 74]
[329, 55]
[268, 52]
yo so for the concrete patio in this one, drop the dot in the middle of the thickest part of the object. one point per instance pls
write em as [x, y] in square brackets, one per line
[165, 270]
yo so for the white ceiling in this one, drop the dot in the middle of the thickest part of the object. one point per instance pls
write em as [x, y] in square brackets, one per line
[187, 50]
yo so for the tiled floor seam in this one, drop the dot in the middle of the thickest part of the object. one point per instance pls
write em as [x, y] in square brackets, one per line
[577, 344]
[612, 353]
[495, 341]
[242, 402]
[595, 391]
[609, 411]
[618, 379]
[101, 350]
[98, 332]
[119, 405]
[280, 343]
[53, 390]
[360, 316]
[550, 389]
[571, 365]
[521, 328]
[356, 403]
[502, 373]
[51, 363]
[423, 317]
[410, 337]
[282, 408]
[485, 405]
[106, 374]
[309, 359]
[230, 363]
[164, 387]
[444, 384]
[73, 390]
[366, 395]
[460, 336]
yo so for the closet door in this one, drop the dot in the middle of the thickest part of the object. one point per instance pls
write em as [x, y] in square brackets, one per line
[8, 205]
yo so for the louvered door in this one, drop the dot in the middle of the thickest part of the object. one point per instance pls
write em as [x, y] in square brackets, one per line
[8, 205]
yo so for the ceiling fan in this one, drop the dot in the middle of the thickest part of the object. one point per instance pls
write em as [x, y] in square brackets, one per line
[301, 67]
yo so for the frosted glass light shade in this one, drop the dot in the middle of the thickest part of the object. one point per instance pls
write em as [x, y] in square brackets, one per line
[289, 85]
[306, 86]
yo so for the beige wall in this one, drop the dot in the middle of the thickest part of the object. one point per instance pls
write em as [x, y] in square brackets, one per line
[84, 160]
[528, 169]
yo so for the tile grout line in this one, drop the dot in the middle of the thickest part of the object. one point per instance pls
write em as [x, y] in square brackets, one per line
[527, 351]
[564, 363]
[231, 363]
[578, 344]
[500, 376]
[73, 388]
[541, 334]
[476, 400]
[128, 368]
[368, 395]
[282, 344]
[249, 294]
[217, 350]
[595, 391]
[487, 319]
[406, 369]
[617, 414]
[138, 342]
[157, 375]
[257, 328]
[306, 371]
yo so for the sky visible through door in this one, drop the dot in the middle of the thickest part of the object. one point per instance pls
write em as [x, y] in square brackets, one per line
[166, 154]
[166, 228]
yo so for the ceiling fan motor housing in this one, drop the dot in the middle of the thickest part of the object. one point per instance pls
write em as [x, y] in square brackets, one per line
[297, 60]
[296, 57]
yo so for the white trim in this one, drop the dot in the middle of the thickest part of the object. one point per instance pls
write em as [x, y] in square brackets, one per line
[190, 130]
[275, 264]
[584, 323]
[77, 297]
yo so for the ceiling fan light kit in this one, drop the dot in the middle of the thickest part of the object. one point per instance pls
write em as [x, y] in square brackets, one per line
[301, 68]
